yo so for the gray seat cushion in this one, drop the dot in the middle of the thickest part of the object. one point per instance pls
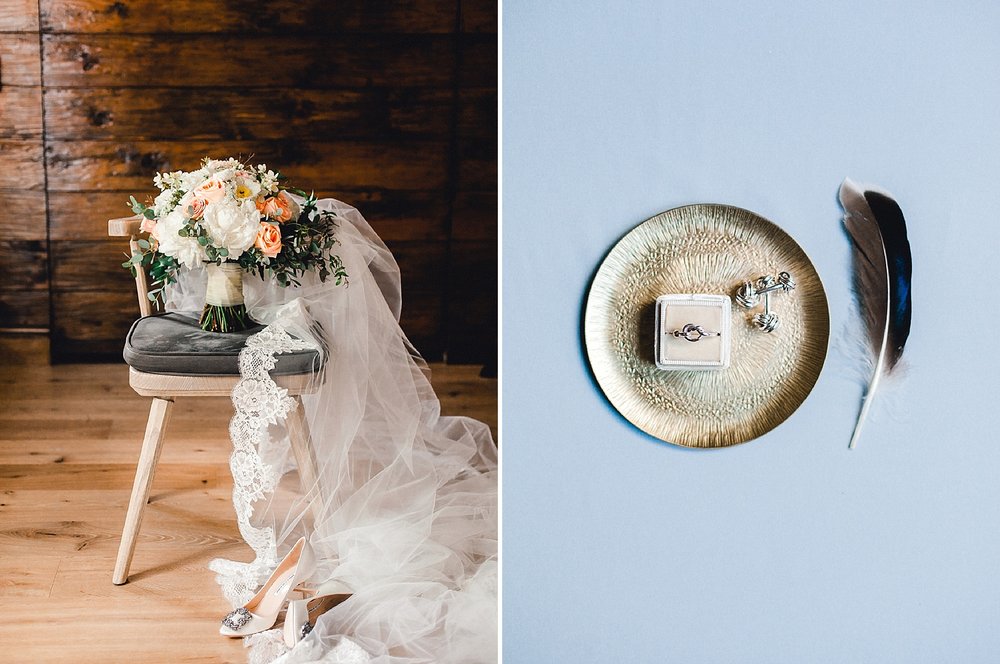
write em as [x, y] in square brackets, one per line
[173, 343]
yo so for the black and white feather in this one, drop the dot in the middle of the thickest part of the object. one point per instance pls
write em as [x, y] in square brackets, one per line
[882, 275]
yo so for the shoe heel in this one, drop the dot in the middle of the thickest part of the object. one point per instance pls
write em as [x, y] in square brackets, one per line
[300, 592]
[295, 617]
[307, 563]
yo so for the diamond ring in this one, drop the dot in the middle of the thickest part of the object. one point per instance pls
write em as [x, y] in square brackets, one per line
[692, 332]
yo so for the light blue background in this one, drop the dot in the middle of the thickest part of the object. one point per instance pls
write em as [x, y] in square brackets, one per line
[620, 548]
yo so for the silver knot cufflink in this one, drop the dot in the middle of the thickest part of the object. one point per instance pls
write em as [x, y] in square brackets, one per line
[692, 332]
[749, 295]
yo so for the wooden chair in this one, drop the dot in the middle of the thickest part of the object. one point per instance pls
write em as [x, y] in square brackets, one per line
[185, 377]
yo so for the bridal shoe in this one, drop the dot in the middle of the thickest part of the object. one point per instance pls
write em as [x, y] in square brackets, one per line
[261, 611]
[302, 614]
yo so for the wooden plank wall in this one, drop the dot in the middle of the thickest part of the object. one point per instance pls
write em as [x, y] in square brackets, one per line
[389, 105]
[24, 279]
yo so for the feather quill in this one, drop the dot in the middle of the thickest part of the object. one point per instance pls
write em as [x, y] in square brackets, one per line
[882, 269]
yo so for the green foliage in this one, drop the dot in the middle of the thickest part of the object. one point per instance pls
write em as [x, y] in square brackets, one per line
[306, 244]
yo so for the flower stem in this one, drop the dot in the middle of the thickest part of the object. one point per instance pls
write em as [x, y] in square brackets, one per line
[217, 318]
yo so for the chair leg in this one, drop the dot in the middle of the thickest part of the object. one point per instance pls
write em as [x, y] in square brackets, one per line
[301, 442]
[159, 414]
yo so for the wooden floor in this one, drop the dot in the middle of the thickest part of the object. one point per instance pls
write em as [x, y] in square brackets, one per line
[69, 441]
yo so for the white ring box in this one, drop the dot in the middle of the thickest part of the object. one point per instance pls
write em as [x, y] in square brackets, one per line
[712, 312]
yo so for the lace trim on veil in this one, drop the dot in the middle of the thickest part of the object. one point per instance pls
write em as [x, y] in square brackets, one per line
[259, 403]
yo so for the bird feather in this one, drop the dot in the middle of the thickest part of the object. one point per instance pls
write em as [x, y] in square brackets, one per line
[882, 273]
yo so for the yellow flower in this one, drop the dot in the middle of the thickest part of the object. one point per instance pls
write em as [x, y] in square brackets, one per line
[242, 191]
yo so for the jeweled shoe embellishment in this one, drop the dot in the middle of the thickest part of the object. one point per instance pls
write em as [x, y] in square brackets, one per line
[306, 628]
[237, 618]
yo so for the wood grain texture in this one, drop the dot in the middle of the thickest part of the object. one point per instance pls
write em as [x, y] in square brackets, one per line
[92, 324]
[22, 165]
[477, 113]
[395, 214]
[103, 165]
[284, 18]
[20, 112]
[21, 64]
[479, 16]
[24, 309]
[251, 113]
[19, 16]
[478, 65]
[24, 214]
[235, 61]
[475, 216]
[90, 265]
[24, 297]
[477, 169]
[24, 264]
[473, 314]
[391, 106]
[59, 532]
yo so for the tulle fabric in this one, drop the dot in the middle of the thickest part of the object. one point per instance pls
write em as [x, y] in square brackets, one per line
[403, 511]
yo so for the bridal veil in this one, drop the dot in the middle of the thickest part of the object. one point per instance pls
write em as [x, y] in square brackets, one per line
[402, 511]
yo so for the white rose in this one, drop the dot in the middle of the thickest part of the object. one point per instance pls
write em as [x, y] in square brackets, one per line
[232, 225]
[186, 250]
[191, 180]
[168, 225]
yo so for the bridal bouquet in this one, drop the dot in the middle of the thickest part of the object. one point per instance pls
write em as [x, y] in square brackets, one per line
[232, 217]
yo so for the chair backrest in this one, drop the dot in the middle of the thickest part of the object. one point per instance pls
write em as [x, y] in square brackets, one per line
[131, 227]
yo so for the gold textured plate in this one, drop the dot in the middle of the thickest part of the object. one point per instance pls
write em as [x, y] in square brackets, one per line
[705, 249]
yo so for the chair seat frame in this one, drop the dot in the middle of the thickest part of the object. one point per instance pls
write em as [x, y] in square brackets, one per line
[164, 389]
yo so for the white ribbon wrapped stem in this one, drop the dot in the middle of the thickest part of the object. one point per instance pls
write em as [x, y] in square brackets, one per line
[225, 285]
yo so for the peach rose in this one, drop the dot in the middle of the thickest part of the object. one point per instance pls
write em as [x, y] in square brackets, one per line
[211, 190]
[271, 209]
[268, 239]
[288, 206]
[148, 226]
[280, 208]
[195, 208]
